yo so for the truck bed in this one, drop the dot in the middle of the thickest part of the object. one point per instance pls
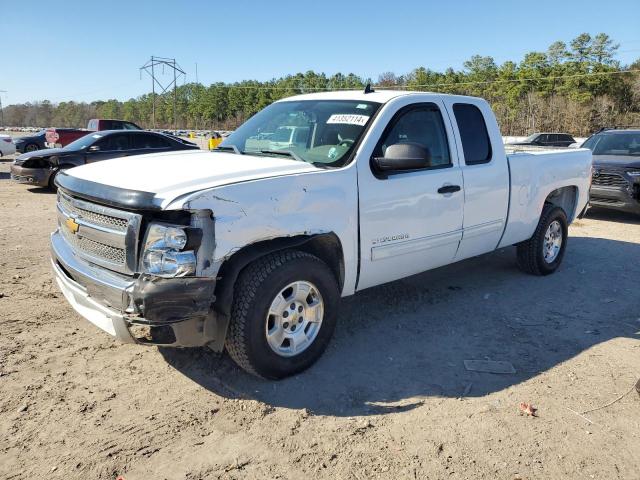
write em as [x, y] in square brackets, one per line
[531, 174]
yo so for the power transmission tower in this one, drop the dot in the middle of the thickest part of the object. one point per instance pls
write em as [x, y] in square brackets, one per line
[1, 110]
[150, 68]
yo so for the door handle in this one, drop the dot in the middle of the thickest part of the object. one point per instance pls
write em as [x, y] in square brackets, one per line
[449, 189]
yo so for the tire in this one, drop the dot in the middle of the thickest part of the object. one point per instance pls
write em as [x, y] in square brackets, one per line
[52, 185]
[31, 147]
[537, 256]
[259, 287]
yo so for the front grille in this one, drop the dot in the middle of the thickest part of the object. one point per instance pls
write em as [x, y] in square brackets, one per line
[607, 201]
[111, 254]
[609, 180]
[116, 223]
[101, 235]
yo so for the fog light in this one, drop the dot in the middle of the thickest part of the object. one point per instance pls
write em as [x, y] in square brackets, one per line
[140, 332]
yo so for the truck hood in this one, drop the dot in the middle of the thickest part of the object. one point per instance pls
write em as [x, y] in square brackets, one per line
[170, 175]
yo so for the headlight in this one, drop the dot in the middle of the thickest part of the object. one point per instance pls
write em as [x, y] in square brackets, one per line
[162, 254]
[634, 173]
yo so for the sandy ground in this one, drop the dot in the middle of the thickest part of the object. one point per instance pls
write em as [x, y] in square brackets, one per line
[391, 398]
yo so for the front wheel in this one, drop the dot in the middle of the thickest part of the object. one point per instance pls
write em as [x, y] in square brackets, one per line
[283, 314]
[542, 254]
[52, 180]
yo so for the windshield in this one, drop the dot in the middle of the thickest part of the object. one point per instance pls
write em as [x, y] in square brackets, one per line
[84, 142]
[614, 144]
[315, 131]
[531, 138]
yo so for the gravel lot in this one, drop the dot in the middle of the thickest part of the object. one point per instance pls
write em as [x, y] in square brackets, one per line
[391, 398]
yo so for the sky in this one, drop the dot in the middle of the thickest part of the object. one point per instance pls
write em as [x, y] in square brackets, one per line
[85, 50]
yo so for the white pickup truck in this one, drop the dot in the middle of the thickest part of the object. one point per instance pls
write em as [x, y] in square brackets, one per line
[251, 248]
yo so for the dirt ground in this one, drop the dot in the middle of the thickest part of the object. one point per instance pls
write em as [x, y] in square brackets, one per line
[391, 398]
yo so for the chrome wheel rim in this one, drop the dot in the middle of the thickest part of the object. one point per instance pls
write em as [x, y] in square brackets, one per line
[552, 241]
[294, 318]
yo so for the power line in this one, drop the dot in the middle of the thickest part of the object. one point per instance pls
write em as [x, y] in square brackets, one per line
[483, 82]
[1, 110]
[515, 80]
[149, 68]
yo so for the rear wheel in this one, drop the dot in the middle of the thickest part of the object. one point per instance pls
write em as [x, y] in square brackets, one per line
[542, 254]
[32, 147]
[283, 314]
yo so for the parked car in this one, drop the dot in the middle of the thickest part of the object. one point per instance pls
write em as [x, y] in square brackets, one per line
[546, 140]
[60, 137]
[31, 143]
[616, 169]
[7, 147]
[41, 167]
[252, 248]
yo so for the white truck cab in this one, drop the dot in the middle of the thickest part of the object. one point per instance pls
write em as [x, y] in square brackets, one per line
[251, 246]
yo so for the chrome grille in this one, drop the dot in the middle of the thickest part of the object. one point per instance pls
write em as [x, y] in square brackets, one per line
[608, 180]
[101, 235]
[608, 201]
[116, 223]
[111, 254]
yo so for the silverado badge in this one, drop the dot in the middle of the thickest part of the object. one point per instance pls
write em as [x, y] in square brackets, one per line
[72, 225]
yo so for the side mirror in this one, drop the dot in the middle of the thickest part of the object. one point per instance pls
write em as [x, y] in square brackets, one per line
[94, 148]
[403, 156]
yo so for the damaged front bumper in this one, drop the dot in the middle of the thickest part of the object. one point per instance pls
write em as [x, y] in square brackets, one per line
[144, 309]
[31, 176]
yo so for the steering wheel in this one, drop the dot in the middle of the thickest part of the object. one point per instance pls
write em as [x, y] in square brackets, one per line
[346, 142]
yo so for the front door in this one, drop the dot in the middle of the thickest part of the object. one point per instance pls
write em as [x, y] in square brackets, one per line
[111, 146]
[411, 221]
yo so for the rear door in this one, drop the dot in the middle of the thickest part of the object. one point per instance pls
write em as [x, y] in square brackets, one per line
[486, 175]
[409, 223]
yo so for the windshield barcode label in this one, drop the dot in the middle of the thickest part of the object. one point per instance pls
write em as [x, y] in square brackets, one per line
[349, 119]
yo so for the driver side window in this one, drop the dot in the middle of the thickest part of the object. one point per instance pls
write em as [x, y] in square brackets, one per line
[114, 142]
[422, 125]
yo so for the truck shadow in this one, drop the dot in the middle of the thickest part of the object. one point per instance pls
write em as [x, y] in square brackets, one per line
[613, 216]
[402, 342]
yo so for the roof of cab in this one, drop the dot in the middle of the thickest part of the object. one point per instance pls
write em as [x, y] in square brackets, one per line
[380, 96]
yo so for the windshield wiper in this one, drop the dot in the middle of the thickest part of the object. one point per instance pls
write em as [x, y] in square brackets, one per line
[229, 148]
[284, 153]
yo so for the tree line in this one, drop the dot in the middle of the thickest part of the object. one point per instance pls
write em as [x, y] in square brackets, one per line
[576, 87]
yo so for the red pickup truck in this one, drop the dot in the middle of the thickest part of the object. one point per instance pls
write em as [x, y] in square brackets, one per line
[60, 137]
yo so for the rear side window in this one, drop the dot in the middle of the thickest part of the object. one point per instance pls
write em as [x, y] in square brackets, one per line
[473, 132]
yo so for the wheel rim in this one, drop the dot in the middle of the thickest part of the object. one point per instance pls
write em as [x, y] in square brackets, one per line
[31, 148]
[294, 318]
[552, 241]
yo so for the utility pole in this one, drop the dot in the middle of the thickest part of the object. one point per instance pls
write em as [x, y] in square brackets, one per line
[149, 68]
[1, 110]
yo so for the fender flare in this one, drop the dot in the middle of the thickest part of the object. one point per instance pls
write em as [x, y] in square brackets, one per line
[231, 268]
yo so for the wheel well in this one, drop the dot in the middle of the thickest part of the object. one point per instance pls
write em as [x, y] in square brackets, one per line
[325, 246]
[565, 198]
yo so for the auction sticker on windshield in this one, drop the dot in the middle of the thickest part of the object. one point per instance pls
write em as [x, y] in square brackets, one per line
[348, 119]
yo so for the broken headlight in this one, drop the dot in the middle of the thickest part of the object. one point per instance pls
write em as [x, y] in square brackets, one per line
[169, 250]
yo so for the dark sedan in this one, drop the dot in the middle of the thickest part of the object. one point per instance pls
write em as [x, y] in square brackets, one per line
[40, 167]
[30, 143]
[547, 140]
[616, 169]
